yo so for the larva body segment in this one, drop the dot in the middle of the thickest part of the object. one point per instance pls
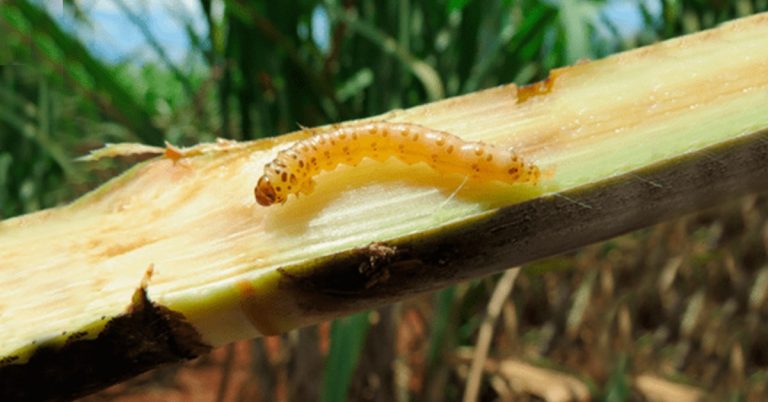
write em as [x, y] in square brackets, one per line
[292, 171]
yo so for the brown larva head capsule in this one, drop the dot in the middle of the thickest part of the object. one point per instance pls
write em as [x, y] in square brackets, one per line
[265, 193]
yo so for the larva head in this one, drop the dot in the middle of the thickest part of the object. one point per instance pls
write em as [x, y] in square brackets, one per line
[266, 194]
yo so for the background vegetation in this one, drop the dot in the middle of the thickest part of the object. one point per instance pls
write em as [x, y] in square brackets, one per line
[685, 301]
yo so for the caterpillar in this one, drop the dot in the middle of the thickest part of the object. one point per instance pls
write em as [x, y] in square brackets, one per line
[292, 171]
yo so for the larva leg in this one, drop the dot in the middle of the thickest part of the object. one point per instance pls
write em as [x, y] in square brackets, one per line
[308, 187]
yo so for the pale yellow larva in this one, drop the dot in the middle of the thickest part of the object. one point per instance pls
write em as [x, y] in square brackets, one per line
[292, 171]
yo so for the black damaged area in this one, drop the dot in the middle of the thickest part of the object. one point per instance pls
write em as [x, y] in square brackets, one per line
[365, 270]
[146, 336]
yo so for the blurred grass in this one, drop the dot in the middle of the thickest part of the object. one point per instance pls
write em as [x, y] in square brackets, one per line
[262, 68]
[347, 337]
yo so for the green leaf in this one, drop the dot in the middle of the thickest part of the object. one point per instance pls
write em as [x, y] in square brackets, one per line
[347, 339]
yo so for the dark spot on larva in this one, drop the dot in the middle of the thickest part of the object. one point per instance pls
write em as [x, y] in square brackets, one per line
[346, 150]
[514, 158]
[479, 151]
[293, 179]
[284, 176]
[327, 154]
[384, 133]
[373, 145]
[489, 158]
[405, 133]
[301, 163]
[512, 170]
[294, 156]
[434, 157]
[475, 167]
[278, 188]
[313, 160]
[415, 136]
[450, 149]
[401, 148]
[440, 141]
[333, 142]
[289, 188]
[314, 147]
[342, 136]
